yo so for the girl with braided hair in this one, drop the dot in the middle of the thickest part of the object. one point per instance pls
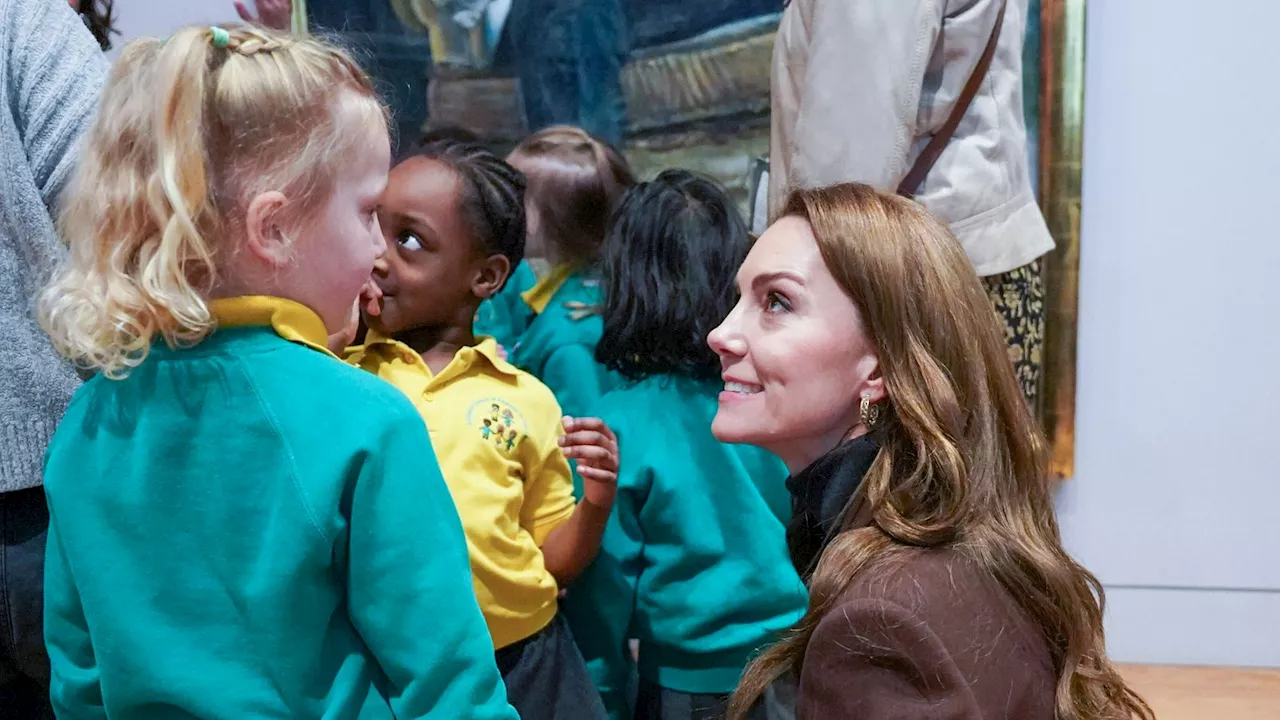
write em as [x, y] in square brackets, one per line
[453, 217]
[240, 524]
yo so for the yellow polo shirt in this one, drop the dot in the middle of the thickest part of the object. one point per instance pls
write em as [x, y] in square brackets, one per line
[495, 431]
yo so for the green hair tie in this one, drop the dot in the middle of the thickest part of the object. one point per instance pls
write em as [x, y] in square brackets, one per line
[221, 38]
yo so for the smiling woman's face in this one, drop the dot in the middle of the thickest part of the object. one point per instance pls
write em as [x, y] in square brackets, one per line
[795, 354]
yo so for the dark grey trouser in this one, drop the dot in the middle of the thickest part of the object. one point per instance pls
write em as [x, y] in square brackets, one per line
[24, 664]
[547, 678]
[658, 703]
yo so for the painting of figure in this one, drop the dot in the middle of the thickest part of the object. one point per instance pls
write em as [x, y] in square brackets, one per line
[674, 83]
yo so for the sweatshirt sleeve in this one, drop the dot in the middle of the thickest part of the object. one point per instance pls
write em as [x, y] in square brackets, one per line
[601, 604]
[408, 569]
[549, 482]
[56, 72]
[75, 685]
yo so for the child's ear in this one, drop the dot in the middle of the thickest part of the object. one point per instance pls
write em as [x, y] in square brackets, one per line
[266, 237]
[493, 272]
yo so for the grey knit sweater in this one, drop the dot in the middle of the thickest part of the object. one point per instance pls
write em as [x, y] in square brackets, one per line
[51, 72]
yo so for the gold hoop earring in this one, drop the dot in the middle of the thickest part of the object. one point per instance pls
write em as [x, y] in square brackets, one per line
[869, 414]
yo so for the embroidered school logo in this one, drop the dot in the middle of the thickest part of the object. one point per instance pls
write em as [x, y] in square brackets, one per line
[498, 422]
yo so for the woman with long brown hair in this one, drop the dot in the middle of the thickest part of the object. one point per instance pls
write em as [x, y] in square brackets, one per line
[865, 354]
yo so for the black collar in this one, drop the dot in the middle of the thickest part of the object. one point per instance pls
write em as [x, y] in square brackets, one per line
[821, 494]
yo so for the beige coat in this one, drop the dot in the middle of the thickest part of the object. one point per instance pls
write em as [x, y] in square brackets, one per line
[860, 85]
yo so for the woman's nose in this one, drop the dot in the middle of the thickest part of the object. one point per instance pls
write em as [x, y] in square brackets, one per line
[722, 339]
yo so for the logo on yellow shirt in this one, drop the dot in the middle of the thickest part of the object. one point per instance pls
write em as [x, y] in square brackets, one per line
[498, 422]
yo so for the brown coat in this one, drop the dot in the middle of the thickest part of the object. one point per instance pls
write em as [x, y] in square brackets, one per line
[932, 637]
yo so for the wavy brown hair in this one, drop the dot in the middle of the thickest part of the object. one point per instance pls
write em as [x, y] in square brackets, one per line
[963, 463]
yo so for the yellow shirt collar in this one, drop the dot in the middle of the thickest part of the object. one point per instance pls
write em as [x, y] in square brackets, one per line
[539, 296]
[486, 348]
[292, 321]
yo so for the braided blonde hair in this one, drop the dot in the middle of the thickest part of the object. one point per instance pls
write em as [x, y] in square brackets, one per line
[189, 131]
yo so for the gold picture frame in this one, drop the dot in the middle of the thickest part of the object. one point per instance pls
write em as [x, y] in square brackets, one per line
[1062, 58]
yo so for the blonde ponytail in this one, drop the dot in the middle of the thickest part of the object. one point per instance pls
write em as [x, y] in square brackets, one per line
[187, 133]
[177, 274]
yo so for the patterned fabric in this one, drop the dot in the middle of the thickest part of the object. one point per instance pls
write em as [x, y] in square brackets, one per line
[1018, 297]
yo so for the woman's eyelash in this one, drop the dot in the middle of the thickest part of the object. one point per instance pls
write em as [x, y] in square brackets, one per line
[774, 299]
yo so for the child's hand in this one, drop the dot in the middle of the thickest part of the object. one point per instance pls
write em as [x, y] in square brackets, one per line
[370, 298]
[502, 352]
[344, 337]
[367, 301]
[581, 311]
[594, 446]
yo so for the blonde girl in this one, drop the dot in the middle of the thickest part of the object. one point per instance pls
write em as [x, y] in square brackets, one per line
[242, 525]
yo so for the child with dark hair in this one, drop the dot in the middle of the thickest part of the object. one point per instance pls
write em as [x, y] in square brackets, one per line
[503, 315]
[454, 223]
[575, 183]
[694, 563]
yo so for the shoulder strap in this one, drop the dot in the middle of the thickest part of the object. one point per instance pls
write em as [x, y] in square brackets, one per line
[915, 177]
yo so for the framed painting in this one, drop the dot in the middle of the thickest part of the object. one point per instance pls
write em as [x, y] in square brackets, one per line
[1059, 123]
[696, 90]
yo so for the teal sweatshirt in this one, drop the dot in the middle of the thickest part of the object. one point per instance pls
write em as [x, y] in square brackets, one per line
[694, 562]
[250, 528]
[559, 345]
[505, 316]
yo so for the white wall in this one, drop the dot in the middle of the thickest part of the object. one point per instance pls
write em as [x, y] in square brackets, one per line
[1177, 496]
[158, 18]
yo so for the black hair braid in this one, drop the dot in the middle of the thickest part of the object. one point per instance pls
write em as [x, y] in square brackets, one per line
[492, 195]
